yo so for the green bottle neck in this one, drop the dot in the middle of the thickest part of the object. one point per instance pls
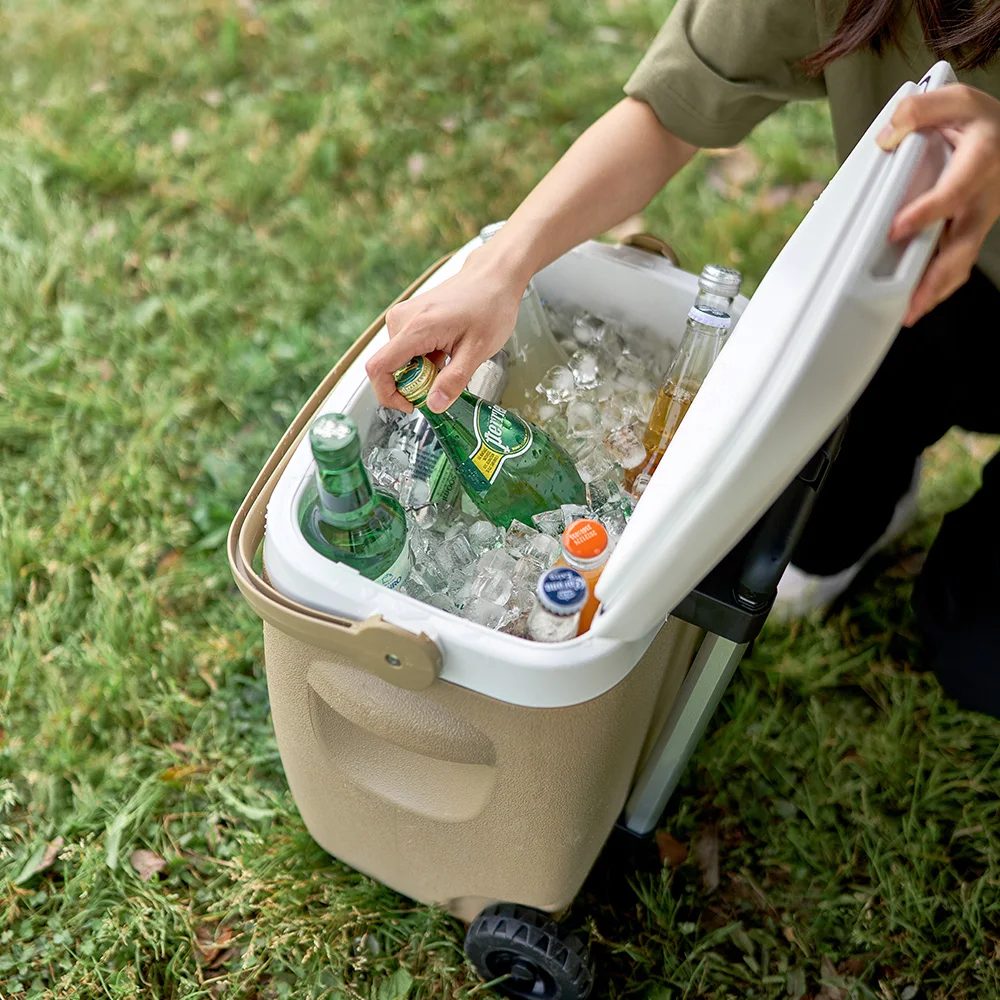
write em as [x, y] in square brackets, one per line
[463, 407]
[346, 497]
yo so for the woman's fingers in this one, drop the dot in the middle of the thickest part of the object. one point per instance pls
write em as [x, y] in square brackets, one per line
[951, 266]
[454, 377]
[951, 105]
[964, 177]
[406, 344]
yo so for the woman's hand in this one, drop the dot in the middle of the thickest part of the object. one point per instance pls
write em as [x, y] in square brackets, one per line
[967, 196]
[468, 317]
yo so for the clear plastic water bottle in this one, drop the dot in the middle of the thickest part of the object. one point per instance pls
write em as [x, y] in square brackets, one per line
[559, 598]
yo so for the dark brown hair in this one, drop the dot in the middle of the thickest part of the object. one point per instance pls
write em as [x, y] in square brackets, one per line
[965, 32]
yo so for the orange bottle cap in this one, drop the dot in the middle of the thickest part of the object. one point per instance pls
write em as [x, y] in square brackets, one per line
[585, 539]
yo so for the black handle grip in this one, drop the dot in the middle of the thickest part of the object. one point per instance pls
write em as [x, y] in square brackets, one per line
[780, 529]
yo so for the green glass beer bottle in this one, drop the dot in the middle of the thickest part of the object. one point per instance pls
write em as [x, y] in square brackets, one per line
[342, 517]
[510, 469]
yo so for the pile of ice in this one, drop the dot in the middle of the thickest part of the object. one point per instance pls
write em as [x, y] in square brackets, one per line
[596, 408]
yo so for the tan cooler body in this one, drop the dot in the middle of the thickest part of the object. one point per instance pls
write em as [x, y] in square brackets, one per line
[446, 794]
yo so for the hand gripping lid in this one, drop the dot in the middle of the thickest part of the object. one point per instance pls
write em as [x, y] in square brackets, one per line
[812, 336]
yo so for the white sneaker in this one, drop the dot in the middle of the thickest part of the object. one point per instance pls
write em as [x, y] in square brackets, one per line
[800, 594]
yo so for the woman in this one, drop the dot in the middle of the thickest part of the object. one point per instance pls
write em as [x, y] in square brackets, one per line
[715, 70]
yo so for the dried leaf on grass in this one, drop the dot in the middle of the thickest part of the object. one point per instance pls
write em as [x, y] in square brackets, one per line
[50, 855]
[42, 857]
[672, 852]
[212, 944]
[181, 771]
[146, 863]
[706, 853]
[834, 987]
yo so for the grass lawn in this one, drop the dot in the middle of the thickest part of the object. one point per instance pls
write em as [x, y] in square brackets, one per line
[202, 203]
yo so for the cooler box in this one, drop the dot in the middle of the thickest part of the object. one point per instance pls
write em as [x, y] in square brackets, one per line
[468, 768]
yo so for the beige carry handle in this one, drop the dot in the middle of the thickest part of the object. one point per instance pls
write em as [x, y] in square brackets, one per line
[392, 653]
[652, 244]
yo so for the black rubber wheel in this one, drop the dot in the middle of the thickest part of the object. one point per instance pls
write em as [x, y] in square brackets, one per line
[541, 961]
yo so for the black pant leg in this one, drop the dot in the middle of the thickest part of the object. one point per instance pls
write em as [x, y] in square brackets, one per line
[957, 600]
[939, 374]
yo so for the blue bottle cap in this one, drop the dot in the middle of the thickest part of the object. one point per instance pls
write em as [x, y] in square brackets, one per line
[562, 591]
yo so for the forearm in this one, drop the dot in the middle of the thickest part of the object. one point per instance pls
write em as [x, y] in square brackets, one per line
[609, 174]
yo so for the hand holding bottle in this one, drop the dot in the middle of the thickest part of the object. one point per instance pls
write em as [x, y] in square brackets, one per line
[468, 317]
[610, 173]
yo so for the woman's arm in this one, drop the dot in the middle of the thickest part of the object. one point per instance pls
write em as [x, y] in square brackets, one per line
[611, 172]
[968, 194]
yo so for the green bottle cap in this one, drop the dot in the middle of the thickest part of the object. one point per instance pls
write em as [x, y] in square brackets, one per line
[335, 442]
[415, 378]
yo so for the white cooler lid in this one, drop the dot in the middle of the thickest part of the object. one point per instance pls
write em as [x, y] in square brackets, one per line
[806, 346]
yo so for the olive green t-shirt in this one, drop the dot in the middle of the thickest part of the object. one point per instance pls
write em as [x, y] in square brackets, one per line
[718, 67]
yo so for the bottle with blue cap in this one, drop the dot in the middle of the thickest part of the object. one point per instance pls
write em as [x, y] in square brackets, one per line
[705, 335]
[559, 598]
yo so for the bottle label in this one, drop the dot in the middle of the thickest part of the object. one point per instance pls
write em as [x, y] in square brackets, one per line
[398, 573]
[499, 435]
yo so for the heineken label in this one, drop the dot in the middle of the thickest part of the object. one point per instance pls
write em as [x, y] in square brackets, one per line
[398, 573]
[499, 435]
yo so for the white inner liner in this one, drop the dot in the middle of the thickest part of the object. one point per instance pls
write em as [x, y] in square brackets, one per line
[645, 292]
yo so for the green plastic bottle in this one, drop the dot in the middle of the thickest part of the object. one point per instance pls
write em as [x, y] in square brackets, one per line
[343, 517]
[510, 469]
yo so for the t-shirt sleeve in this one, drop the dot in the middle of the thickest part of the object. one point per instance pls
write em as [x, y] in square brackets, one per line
[718, 67]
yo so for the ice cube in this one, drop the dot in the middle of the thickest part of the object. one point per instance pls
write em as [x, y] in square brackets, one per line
[556, 428]
[631, 367]
[468, 505]
[558, 385]
[612, 343]
[518, 536]
[585, 368]
[455, 554]
[582, 417]
[515, 622]
[484, 612]
[442, 601]
[560, 319]
[492, 585]
[500, 559]
[527, 573]
[612, 517]
[596, 465]
[578, 445]
[398, 461]
[551, 522]
[625, 448]
[483, 536]
[414, 587]
[587, 329]
[413, 492]
[600, 492]
[426, 516]
[544, 548]
[428, 574]
[574, 511]
[547, 412]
